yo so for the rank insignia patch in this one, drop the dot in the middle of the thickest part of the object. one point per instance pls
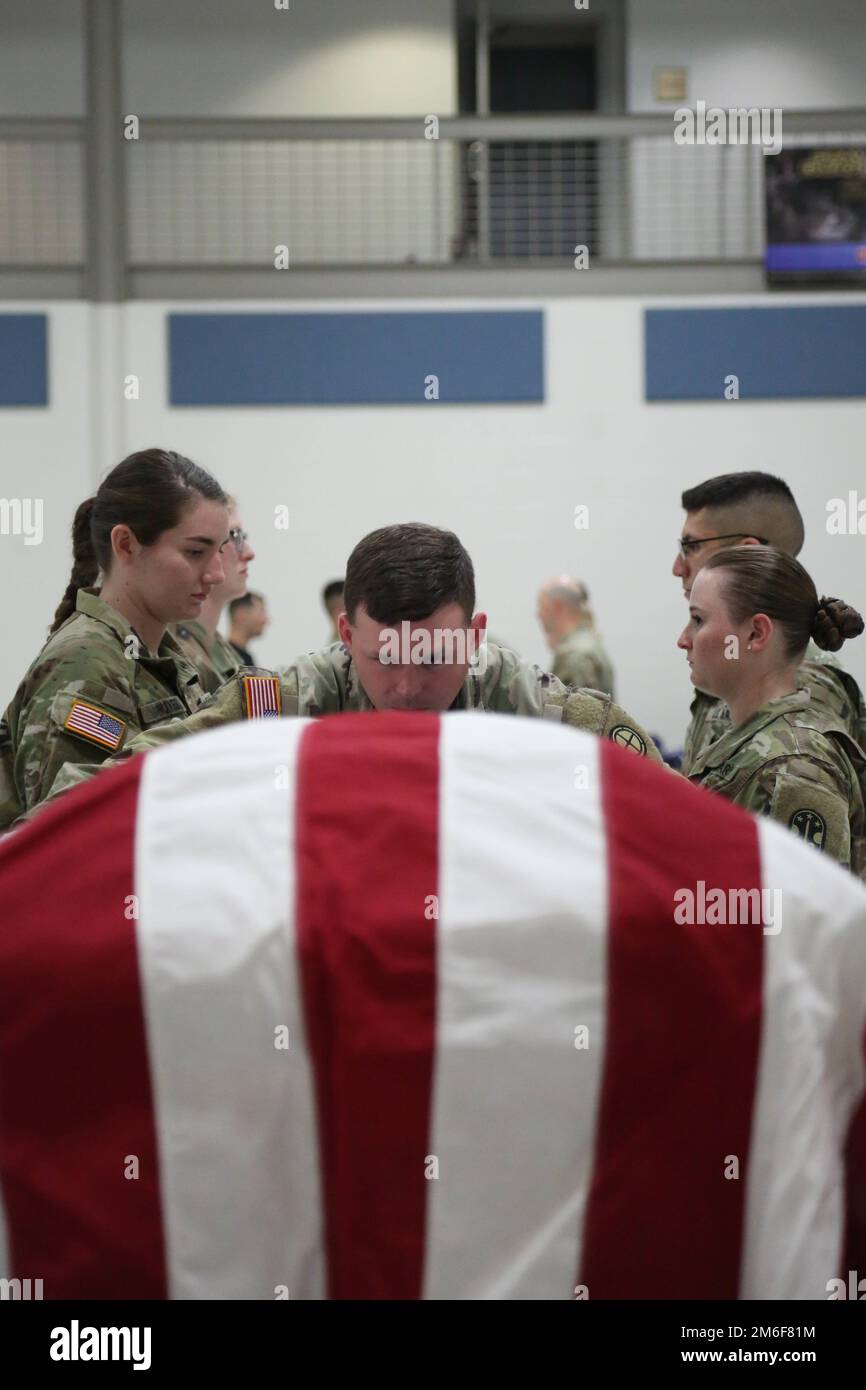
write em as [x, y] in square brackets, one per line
[261, 697]
[89, 721]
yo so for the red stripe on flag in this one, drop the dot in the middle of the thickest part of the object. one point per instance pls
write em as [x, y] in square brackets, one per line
[854, 1250]
[681, 1054]
[75, 1093]
[366, 866]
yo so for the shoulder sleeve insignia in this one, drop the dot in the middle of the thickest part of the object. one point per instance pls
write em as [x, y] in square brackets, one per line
[816, 811]
[261, 697]
[627, 737]
[90, 722]
[810, 826]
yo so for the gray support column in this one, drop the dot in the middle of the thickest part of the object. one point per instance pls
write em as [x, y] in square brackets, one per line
[105, 191]
[105, 194]
[482, 106]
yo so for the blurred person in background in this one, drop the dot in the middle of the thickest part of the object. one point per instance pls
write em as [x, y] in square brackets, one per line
[248, 618]
[332, 598]
[579, 657]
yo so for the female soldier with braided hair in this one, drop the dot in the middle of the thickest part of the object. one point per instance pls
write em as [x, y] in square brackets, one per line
[109, 670]
[752, 613]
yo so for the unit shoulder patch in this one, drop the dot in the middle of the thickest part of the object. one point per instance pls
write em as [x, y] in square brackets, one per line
[627, 737]
[815, 812]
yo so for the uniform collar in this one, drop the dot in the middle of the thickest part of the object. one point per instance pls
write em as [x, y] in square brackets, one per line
[88, 601]
[575, 635]
[726, 746]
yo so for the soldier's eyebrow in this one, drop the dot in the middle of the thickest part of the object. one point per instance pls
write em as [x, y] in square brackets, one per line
[204, 540]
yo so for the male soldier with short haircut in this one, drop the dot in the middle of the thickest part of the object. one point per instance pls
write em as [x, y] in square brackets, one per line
[248, 618]
[753, 508]
[578, 655]
[333, 601]
[410, 640]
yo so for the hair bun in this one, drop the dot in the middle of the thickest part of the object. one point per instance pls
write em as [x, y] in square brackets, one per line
[834, 623]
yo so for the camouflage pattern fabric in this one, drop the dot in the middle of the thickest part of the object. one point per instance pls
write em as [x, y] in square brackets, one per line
[834, 692]
[214, 658]
[91, 689]
[789, 762]
[580, 659]
[326, 682]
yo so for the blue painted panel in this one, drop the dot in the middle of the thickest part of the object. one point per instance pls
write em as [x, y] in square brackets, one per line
[788, 353]
[23, 359]
[355, 358]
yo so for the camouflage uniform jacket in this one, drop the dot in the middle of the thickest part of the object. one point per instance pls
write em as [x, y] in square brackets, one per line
[214, 658]
[326, 682]
[85, 696]
[789, 762]
[580, 659]
[835, 695]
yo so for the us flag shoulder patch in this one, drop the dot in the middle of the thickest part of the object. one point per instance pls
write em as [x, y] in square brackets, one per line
[261, 697]
[95, 724]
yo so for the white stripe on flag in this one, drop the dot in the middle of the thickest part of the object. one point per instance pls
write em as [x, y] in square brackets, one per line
[521, 965]
[235, 1117]
[810, 1072]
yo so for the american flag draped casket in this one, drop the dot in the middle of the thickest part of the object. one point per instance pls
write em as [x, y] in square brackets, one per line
[401, 1006]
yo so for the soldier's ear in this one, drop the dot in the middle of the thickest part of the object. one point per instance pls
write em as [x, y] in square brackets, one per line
[479, 622]
[124, 545]
[344, 628]
[761, 629]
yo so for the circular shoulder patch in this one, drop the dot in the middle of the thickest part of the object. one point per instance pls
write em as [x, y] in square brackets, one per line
[810, 826]
[627, 737]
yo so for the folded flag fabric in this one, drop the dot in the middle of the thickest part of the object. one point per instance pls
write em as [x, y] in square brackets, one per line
[409, 1006]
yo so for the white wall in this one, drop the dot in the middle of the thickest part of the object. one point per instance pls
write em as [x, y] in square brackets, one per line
[45, 454]
[41, 58]
[396, 57]
[318, 58]
[792, 53]
[507, 479]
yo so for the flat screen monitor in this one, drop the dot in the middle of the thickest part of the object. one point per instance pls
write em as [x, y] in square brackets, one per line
[816, 215]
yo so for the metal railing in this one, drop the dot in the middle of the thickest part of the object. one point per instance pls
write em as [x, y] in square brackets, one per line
[487, 192]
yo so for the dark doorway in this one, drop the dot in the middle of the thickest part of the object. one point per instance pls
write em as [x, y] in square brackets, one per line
[542, 195]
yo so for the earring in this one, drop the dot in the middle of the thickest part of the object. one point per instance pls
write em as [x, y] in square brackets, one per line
[749, 647]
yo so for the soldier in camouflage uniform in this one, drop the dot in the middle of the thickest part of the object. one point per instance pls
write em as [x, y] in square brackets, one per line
[753, 508]
[212, 657]
[200, 640]
[326, 682]
[86, 695]
[788, 763]
[782, 753]
[153, 531]
[835, 695]
[423, 570]
[579, 657]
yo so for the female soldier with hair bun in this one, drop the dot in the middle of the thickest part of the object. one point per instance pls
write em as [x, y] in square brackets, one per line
[109, 670]
[752, 612]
